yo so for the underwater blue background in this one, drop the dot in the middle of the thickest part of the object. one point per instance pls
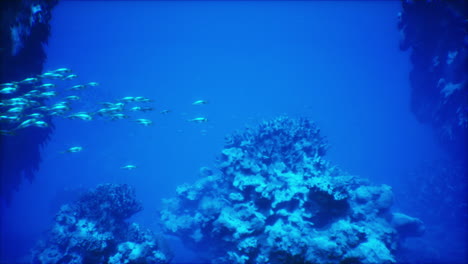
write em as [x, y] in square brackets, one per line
[335, 62]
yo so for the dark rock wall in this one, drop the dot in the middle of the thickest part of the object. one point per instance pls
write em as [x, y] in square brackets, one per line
[24, 29]
[436, 34]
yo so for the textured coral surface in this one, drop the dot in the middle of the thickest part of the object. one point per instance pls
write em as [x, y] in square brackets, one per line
[276, 200]
[94, 230]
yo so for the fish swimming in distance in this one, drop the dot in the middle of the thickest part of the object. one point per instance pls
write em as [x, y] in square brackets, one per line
[198, 120]
[144, 122]
[77, 87]
[119, 116]
[51, 75]
[142, 99]
[141, 108]
[70, 77]
[62, 70]
[92, 84]
[72, 98]
[8, 90]
[128, 167]
[81, 115]
[29, 81]
[200, 102]
[46, 86]
[73, 150]
[13, 84]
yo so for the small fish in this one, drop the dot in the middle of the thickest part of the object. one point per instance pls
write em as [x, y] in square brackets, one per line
[198, 120]
[118, 116]
[10, 118]
[52, 76]
[41, 123]
[128, 167]
[29, 80]
[119, 105]
[200, 102]
[46, 86]
[141, 108]
[70, 77]
[72, 98]
[62, 70]
[13, 84]
[81, 115]
[36, 115]
[73, 150]
[48, 94]
[107, 104]
[8, 90]
[17, 101]
[56, 113]
[166, 111]
[142, 99]
[93, 84]
[61, 106]
[77, 87]
[32, 93]
[146, 108]
[111, 108]
[103, 111]
[144, 122]
[42, 108]
[128, 99]
[33, 103]
[26, 123]
[16, 110]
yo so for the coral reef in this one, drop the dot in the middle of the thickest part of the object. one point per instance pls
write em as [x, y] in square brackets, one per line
[435, 32]
[24, 29]
[276, 200]
[95, 230]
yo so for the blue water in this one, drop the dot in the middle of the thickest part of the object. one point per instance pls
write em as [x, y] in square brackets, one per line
[335, 62]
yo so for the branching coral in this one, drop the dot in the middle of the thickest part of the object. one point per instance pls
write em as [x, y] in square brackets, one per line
[277, 200]
[282, 140]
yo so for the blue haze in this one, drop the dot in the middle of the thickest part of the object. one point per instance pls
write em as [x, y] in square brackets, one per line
[335, 62]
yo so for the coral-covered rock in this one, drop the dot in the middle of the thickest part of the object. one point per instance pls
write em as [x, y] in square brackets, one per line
[407, 225]
[94, 230]
[277, 200]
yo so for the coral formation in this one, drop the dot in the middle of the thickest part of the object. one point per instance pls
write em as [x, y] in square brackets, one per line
[435, 32]
[94, 230]
[276, 200]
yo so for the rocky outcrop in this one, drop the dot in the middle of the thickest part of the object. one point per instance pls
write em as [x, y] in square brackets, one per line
[436, 34]
[94, 230]
[24, 29]
[277, 200]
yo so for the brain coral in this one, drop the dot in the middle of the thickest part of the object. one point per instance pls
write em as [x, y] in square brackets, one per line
[276, 200]
[94, 230]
